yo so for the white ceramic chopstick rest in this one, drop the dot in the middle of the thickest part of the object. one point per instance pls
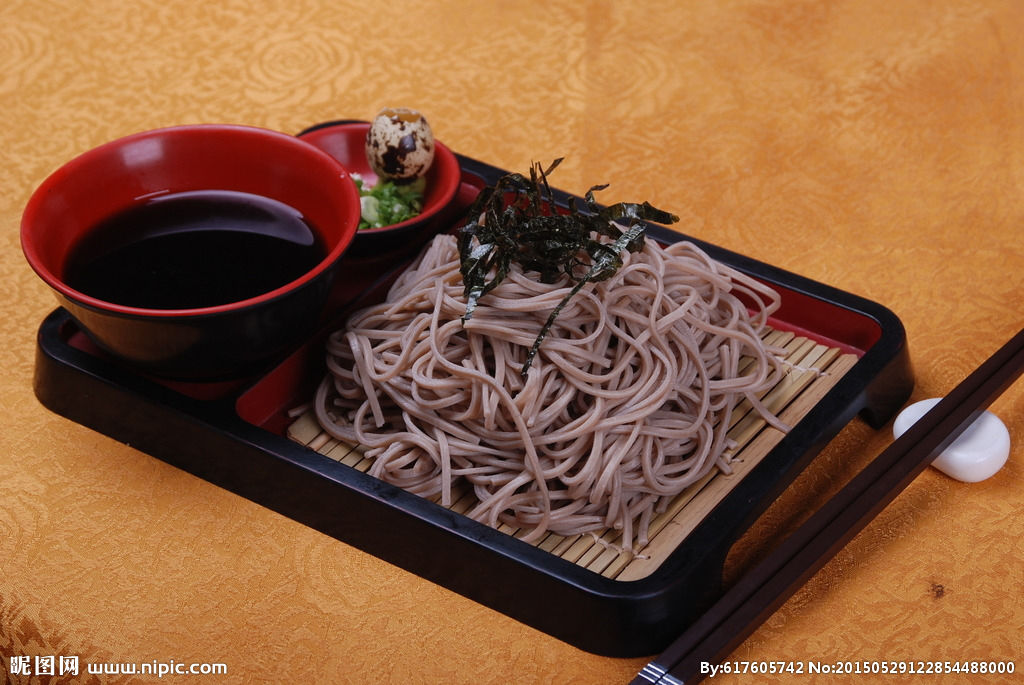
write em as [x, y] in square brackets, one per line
[979, 452]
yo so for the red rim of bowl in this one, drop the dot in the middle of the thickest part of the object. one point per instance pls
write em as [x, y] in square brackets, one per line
[444, 159]
[317, 156]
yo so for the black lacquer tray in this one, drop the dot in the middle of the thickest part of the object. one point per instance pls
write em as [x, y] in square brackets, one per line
[234, 433]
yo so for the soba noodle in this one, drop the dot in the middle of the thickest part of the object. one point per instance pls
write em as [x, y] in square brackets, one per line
[626, 404]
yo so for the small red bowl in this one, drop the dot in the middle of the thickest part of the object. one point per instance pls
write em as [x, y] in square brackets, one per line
[345, 141]
[213, 341]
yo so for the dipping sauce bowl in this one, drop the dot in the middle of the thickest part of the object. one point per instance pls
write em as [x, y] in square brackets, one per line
[227, 330]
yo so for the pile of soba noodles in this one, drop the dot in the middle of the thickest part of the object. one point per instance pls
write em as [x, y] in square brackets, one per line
[626, 403]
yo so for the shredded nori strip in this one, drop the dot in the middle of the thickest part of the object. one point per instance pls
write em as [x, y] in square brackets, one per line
[518, 220]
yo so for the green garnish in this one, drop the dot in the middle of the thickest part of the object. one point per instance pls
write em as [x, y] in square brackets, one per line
[518, 220]
[387, 202]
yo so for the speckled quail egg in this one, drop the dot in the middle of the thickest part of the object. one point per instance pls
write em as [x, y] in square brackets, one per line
[399, 144]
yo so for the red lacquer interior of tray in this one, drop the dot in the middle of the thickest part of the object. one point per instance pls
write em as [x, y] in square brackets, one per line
[825, 322]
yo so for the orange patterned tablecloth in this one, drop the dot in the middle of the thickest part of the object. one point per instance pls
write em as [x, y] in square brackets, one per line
[875, 146]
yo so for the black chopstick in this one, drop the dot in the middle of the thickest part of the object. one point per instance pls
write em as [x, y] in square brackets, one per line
[753, 598]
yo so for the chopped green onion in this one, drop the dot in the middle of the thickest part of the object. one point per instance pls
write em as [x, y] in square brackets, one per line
[387, 203]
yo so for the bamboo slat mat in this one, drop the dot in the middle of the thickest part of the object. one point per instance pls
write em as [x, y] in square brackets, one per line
[812, 369]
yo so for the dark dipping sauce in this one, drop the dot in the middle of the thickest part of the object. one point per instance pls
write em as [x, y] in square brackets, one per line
[194, 249]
